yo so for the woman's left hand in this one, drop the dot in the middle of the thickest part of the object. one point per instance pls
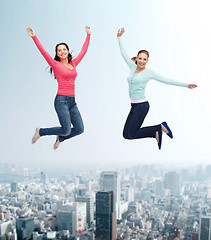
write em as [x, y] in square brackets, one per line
[87, 29]
[191, 86]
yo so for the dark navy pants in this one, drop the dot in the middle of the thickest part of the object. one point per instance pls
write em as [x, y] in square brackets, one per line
[132, 128]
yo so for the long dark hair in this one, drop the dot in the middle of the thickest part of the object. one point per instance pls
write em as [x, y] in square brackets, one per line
[58, 59]
[141, 51]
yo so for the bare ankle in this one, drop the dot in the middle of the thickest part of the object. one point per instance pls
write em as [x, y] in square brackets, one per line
[156, 136]
[164, 129]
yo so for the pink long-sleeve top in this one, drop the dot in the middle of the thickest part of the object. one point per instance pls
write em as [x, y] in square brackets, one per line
[64, 75]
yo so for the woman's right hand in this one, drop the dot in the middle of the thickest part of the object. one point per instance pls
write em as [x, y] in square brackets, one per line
[87, 29]
[191, 86]
[120, 32]
[30, 31]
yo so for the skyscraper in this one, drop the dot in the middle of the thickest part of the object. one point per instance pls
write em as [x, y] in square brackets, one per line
[110, 181]
[158, 187]
[205, 227]
[25, 228]
[129, 193]
[171, 182]
[43, 178]
[14, 186]
[72, 217]
[105, 215]
[89, 200]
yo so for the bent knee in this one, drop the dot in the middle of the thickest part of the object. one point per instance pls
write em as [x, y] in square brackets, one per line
[126, 136]
[80, 130]
[66, 132]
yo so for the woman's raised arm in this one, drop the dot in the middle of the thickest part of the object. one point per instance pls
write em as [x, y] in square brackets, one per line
[84, 48]
[45, 54]
[129, 62]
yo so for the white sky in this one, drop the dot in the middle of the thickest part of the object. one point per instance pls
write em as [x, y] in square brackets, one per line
[177, 35]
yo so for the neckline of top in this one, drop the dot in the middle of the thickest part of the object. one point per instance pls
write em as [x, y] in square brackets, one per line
[139, 72]
[67, 66]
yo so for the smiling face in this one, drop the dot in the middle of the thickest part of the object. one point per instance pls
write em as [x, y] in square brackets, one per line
[62, 52]
[142, 60]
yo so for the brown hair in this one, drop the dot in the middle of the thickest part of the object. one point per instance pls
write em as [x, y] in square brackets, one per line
[58, 59]
[141, 51]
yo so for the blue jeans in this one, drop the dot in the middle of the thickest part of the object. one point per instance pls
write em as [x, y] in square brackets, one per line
[135, 119]
[68, 114]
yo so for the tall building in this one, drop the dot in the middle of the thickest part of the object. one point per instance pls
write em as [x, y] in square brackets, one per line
[105, 215]
[129, 194]
[171, 182]
[158, 187]
[205, 227]
[89, 200]
[25, 228]
[14, 186]
[7, 228]
[72, 217]
[43, 178]
[110, 181]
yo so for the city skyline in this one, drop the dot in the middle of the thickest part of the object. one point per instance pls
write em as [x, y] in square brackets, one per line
[64, 207]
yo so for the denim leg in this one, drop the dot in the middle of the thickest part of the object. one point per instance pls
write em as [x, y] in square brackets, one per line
[127, 123]
[77, 123]
[139, 112]
[62, 110]
[132, 129]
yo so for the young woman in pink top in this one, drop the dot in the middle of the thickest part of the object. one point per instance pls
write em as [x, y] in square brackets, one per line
[64, 69]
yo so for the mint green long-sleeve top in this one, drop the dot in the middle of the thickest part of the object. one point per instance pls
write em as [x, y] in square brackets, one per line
[137, 82]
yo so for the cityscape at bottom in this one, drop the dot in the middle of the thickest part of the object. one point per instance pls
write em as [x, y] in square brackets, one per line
[146, 202]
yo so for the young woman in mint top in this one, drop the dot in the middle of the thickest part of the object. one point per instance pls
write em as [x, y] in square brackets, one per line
[137, 81]
[64, 69]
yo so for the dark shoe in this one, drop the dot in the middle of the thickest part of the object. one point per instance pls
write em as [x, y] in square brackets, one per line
[168, 129]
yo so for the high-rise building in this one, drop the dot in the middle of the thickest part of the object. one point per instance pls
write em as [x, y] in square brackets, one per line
[89, 200]
[25, 228]
[14, 186]
[158, 187]
[72, 217]
[205, 227]
[171, 182]
[110, 181]
[5, 228]
[43, 178]
[129, 194]
[105, 215]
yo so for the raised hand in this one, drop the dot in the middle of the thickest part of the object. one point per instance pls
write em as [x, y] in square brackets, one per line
[191, 86]
[87, 29]
[120, 32]
[30, 31]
